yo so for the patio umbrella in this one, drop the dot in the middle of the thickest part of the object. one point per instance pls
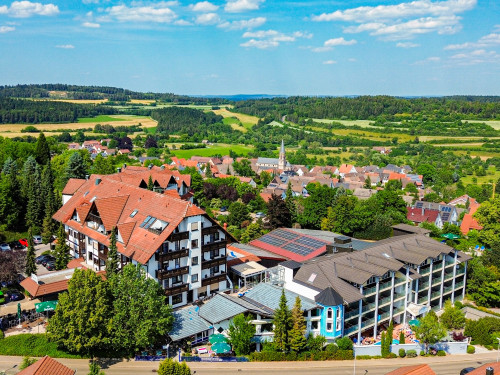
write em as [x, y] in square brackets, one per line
[45, 306]
[221, 348]
[450, 236]
[217, 338]
[414, 322]
[19, 312]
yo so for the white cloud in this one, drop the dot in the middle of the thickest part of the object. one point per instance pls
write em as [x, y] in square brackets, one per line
[478, 56]
[90, 1]
[24, 9]
[264, 39]
[238, 6]
[329, 62]
[65, 46]
[203, 6]
[158, 12]
[243, 24]
[330, 43]
[404, 20]
[91, 25]
[182, 23]
[485, 41]
[6, 29]
[407, 45]
[428, 60]
[208, 19]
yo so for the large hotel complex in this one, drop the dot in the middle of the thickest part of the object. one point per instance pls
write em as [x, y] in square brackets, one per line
[348, 287]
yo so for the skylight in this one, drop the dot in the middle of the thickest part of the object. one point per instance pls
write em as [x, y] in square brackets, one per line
[312, 277]
[145, 221]
[134, 213]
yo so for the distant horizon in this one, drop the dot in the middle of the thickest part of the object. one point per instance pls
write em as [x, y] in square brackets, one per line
[214, 47]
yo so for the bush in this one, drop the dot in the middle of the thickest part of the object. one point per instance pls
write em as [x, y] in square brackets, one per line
[402, 338]
[402, 353]
[411, 353]
[441, 353]
[458, 336]
[471, 349]
[422, 353]
[331, 348]
[305, 356]
[27, 362]
[392, 355]
[36, 345]
[480, 330]
[344, 343]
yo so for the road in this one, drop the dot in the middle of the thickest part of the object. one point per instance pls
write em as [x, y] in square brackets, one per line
[450, 365]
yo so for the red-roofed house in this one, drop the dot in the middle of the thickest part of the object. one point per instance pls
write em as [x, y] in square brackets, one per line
[420, 215]
[468, 221]
[178, 244]
[423, 369]
[47, 366]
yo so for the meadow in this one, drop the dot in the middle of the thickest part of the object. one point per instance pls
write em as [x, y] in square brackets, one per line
[101, 118]
[246, 121]
[212, 150]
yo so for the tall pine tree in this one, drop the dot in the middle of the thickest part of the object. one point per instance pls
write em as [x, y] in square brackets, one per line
[11, 214]
[62, 249]
[75, 168]
[282, 324]
[297, 336]
[33, 184]
[30, 255]
[42, 150]
[112, 261]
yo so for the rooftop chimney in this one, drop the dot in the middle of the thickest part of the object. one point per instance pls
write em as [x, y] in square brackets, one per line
[225, 226]
[150, 166]
[124, 166]
[118, 170]
[86, 176]
[490, 371]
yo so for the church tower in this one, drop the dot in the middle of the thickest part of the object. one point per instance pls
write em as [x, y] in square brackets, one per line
[282, 157]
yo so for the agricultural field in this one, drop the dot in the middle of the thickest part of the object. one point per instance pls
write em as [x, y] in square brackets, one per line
[14, 130]
[246, 121]
[384, 137]
[494, 124]
[235, 124]
[362, 123]
[101, 118]
[75, 101]
[491, 175]
[219, 149]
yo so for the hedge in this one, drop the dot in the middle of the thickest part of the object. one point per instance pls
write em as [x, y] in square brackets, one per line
[471, 349]
[33, 345]
[305, 356]
[411, 353]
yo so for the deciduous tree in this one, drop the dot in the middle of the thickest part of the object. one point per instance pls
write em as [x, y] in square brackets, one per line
[430, 330]
[241, 332]
[278, 214]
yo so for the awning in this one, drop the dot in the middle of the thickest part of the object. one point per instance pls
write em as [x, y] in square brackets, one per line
[416, 309]
[45, 306]
[450, 236]
[248, 269]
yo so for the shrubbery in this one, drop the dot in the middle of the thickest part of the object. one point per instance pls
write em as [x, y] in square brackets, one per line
[441, 353]
[471, 349]
[481, 330]
[305, 356]
[422, 353]
[411, 353]
[402, 353]
[36, 345]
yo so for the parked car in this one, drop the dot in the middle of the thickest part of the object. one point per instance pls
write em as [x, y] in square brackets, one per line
[4, 247]
[467, 370]
[14, 295]
[223, 209]
[49, 259]
[260, 215]
[43, 258]
[2, 297]
[5, 284]
[16, 245]
[37, 240]
[50, 265]
[24, 242]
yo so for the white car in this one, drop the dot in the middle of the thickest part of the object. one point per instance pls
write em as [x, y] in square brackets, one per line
[37, 240]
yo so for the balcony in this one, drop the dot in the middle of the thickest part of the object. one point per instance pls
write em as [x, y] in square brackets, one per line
[178, 236]
[213, 279]
[213, 246]
[165, 274]
[210, 230]
[176, 289]
[213, 262]
[171, 255]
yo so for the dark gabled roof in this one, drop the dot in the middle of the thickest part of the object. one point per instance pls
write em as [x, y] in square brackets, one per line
[329, 297]
[411, 228]
[291, 264]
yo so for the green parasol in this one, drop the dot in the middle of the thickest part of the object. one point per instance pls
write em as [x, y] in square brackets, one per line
[217, 338]
[19, 311]
[221, 348]
[450, 236]
[45, 306]
[414, 322]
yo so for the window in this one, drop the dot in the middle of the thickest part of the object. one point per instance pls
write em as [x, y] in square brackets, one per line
[329, 320]
[216, 236]
[194, 244]
[194, 278]
[314, 325]
[329, 314]
[194, 226]
[214, 253]
[177, 299]
[133, 213]
[194, 261]
[214, 270]
[337, 320]
[177, 279]
[177, 263]
[329, 327]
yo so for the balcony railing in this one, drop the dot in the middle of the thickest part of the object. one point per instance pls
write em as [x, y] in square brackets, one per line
[351, 329]
[213, 279]
[436, 281]
[171, 255]
[165, 274]
[210, 230]
[213, 262]
[459, 285]
[178, 236]
[176, 289]
[213, 245]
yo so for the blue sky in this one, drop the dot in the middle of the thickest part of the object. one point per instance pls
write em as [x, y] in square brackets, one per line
[298, 47]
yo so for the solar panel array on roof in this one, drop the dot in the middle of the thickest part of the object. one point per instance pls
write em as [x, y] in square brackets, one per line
[298, 249]
[285, 234]
[445, 216]
[419, 204]
[446, 209]
[272, 240]
[310, 242]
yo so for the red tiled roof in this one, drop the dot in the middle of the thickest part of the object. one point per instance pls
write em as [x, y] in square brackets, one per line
[482, 370]
[73, 185]
[115, 201]
[345, 168]
[419, 215]
[126, 231]
[172, 193]
[469, 223]
[413, 370]
[76, 263]
[36, 290]
[47, 366]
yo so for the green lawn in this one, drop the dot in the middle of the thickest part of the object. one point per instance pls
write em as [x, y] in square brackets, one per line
[101, 118]
[491, 174]
[211, 151]
[33, 345]
[493, 124]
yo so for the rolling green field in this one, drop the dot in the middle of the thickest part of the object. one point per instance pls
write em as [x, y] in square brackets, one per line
[491, 174]
[211, 151]
[494, 124]
[101, 118]
[362, 123]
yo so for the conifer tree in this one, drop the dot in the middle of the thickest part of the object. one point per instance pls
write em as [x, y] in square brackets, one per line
[30, 255]
[75, 167]
[150, 184]
[42, 150]
[32, 193]
[112, 261]
[297, 336]
[62, 249]
[47, 228]
[282, 323]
